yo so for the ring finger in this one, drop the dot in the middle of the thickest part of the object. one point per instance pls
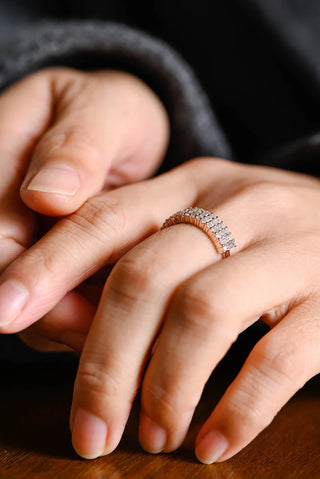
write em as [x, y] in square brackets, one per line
[133, 306]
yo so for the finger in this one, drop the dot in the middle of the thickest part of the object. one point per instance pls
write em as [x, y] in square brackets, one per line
[124, 329]
[65, 327]
[100, 135]
[101, 231]
[25, 111]
[280, 364]
[131, 311]
[79, 245]
[205, 317]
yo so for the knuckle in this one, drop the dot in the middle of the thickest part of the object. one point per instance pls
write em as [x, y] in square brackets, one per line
[76, 143]
[95, 379]
[268, 193]
[139, 272]
[166, 403]
[246, 411]
[40, 260]
[278, 363]
[264, 187]
[101, 218]
[203, 163]
[160, 398]
[198, 170]
[201, 309]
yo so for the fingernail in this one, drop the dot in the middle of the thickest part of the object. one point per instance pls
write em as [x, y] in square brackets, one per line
[211, 447]
[89, 434]
[59, 179]
[153, 438]
[13, 297]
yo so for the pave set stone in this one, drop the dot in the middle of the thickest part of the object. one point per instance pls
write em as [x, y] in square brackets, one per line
[212, 222]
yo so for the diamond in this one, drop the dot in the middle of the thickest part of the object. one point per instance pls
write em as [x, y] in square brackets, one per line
[225, 240]
[223, 233]
[207, 218]
[213, 222]
[188, 211]
[228, 246]
[218, 227]
[216, 221]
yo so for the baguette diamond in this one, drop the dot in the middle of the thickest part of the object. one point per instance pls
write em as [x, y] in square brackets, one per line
[207, 222]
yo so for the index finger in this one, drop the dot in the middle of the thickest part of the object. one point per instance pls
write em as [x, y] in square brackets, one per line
[99, 233]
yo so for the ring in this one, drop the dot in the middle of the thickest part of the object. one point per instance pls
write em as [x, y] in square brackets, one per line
[209, 224]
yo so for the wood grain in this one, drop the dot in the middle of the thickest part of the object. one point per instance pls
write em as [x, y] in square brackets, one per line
[35, 439]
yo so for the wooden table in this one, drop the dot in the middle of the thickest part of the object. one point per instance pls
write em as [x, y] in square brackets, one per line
[35, 439]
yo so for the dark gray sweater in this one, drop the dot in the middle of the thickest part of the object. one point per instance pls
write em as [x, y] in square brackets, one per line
[252, 64]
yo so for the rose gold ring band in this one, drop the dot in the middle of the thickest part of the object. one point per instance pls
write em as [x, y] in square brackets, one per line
[209, 224]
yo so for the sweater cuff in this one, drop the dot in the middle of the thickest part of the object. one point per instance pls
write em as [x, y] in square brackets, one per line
[195, 130]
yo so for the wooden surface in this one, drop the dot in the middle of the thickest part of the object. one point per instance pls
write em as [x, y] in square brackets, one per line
[35, 440]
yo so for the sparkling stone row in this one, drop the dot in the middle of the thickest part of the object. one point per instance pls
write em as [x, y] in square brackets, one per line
[210, 221]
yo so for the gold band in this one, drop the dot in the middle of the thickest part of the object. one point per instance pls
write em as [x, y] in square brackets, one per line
[209, 224]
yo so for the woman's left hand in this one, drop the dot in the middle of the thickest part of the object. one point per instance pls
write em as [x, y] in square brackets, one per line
[171, 301]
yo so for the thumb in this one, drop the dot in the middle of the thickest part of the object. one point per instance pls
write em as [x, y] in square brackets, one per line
[109, 129]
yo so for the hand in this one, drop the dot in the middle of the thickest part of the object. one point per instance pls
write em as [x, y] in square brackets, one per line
[65, 135]
[72, 134]
[173, 298]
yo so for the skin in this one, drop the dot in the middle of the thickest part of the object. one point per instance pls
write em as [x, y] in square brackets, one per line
[171, 307]
[66, 135]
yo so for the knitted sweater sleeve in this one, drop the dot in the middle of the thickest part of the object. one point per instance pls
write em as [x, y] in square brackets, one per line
[94, 45]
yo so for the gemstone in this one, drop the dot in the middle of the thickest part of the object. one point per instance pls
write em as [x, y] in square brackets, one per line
[218, 227]
[225, 240]
[228, 246]
[223, 233]
[215, 220]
